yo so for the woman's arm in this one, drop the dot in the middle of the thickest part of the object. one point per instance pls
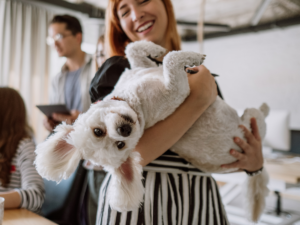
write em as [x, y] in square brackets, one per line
[12, 199]
[32, 190]
[163, 135]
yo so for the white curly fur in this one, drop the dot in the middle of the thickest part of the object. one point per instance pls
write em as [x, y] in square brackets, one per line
[148, 94]
[56, 161]
[254, 192]
[124, 195]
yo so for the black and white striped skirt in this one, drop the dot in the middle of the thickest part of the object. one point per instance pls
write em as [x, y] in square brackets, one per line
[175, 193]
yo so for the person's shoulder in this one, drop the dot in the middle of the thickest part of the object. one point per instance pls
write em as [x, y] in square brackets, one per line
[26, 144]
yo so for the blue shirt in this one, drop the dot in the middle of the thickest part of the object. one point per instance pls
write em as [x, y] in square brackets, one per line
[72, 90]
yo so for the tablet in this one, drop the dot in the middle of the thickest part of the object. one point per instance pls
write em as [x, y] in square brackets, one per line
[49, 109]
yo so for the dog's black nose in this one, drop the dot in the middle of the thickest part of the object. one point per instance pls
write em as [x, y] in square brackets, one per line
[124, 130]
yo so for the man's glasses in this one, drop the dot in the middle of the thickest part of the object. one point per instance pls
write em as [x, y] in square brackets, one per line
[57, 37]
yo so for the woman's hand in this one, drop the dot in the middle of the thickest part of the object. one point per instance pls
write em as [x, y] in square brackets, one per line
[202, 85]
[12, 199]
[251, 159]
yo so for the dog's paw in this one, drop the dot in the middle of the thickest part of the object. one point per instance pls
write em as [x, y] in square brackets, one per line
[183, 59]
[144, 48]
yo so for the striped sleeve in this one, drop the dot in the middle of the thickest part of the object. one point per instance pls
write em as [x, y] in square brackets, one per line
[32, 185]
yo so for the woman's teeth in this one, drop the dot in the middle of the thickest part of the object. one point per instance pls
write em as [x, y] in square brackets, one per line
[145, 27]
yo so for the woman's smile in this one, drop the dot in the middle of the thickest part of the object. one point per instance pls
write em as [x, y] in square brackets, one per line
[145, 27]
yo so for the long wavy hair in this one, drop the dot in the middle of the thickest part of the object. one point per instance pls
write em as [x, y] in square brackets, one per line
[115, 38]
[13, 128]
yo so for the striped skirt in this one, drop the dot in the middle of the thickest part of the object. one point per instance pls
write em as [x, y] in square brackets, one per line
[175, 193]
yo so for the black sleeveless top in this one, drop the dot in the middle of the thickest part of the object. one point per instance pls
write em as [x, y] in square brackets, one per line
[108, 75]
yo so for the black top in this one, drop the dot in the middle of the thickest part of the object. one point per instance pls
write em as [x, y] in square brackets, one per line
[108, 75]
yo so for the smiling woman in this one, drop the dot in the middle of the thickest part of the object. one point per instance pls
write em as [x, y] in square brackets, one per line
[175, 191]
[131, 20]
[167, 194]
[143, 20]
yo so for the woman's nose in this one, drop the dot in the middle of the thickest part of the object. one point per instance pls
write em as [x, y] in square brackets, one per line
[136, 14]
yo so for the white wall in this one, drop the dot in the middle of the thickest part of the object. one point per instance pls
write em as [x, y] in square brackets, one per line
[257, 67]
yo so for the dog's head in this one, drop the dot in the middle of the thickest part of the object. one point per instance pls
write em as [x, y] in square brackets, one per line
[110, 129]
[106, 134]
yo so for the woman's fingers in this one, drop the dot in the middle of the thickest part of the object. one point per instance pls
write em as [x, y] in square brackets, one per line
[237, 155]
[242, 144]
[237, 164]
[251, 158]
[255, 130]
[248, 135]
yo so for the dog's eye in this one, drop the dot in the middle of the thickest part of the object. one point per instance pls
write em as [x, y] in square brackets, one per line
[127, 118]
[120, 144]
[98, 132]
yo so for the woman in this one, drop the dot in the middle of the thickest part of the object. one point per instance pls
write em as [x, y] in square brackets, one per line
[100, 53]
[170, 198]
[20, 184]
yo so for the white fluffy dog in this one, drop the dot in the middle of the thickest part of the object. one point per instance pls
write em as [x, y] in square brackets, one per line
[145, 94]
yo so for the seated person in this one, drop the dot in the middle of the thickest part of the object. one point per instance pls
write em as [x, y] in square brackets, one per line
[20, 184]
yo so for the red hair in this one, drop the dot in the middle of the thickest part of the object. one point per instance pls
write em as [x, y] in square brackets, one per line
[115, 38]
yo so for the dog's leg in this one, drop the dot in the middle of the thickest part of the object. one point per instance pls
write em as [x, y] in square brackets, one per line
[138, 54]
[126, 190]
[176, 81]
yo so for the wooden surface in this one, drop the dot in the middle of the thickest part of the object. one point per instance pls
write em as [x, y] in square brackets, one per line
[24, 217]
[288, 172]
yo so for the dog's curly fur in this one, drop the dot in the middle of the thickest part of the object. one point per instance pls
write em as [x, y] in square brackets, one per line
[109, 131]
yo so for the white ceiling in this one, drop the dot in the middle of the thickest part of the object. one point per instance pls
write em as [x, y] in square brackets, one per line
[235, 13]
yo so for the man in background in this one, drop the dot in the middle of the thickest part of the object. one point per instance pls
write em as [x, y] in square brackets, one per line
[71, 85]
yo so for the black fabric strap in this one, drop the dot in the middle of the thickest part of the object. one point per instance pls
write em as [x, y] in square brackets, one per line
[251, 174]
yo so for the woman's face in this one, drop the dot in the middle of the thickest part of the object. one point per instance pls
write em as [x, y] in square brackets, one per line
[100, 55]
[144, 20]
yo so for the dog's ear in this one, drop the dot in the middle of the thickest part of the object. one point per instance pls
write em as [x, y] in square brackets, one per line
[126, 189]
[57, 158]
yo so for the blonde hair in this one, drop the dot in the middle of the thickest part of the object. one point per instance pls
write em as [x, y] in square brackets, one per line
[115, 38]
